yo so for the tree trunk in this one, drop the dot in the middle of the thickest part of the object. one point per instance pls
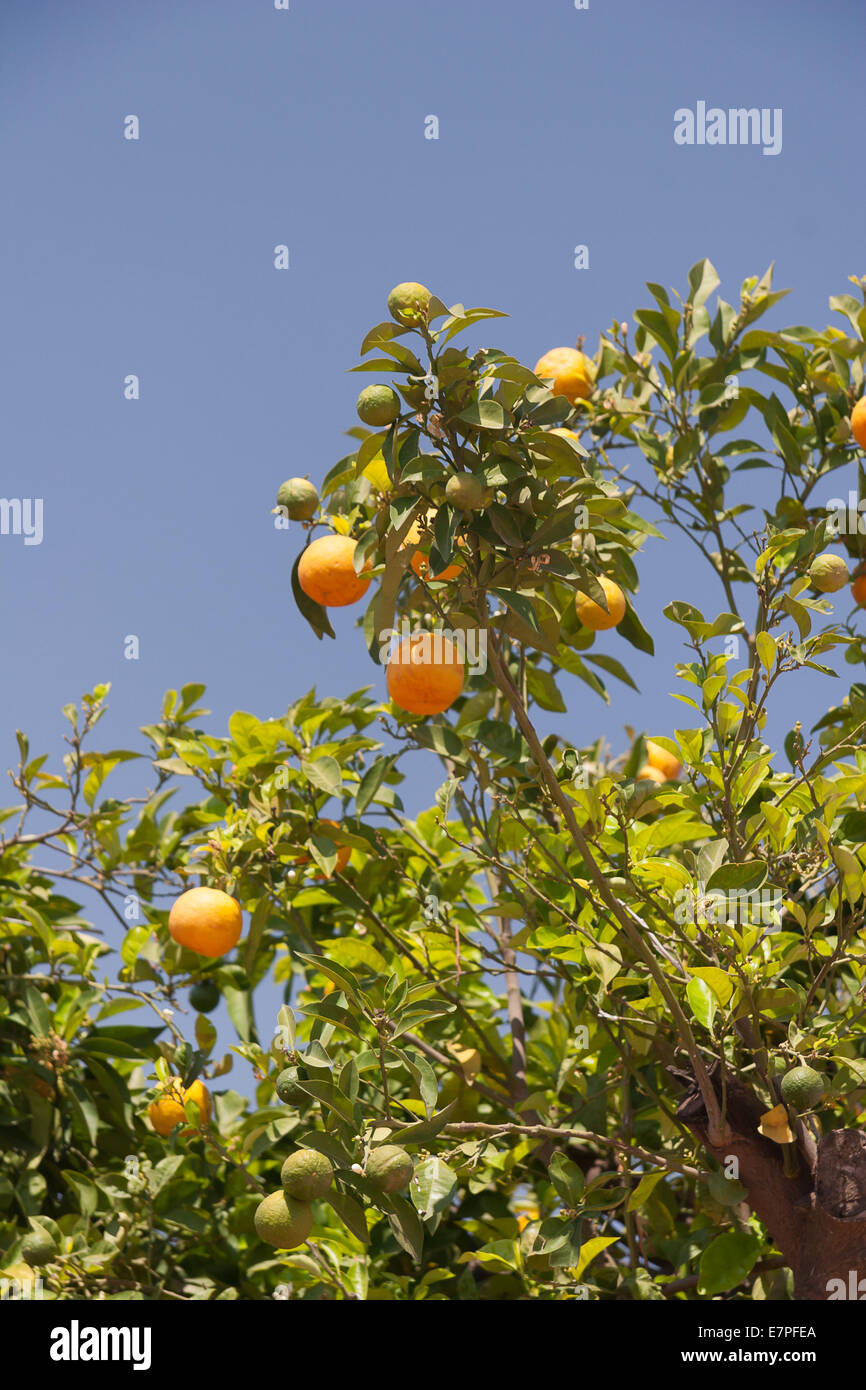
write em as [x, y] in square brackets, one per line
[817, 1218]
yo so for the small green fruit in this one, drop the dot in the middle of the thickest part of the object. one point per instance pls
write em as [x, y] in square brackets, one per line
[389, 1168]
[299, 497]
[802, 1088]
[204, 996]
[307, 1175]
[288, 1090]
[828, 573]
[282, 1221]
[38, 1248]
[378, 405]
[409, 303]
[469, 493]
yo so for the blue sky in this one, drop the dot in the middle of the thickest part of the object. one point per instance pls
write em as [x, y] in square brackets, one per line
[306, 127]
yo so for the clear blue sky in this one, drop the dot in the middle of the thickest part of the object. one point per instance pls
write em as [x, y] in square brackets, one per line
[306, 127]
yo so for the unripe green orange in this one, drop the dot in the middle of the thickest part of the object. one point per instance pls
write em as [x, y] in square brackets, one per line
[282, 1221]
[409, 303]
[469, 493]
[288, 1090]
[299, 497]
[307, 1175]
[828, 573]
[802, 1088]
[389, 1168]
[378, 405]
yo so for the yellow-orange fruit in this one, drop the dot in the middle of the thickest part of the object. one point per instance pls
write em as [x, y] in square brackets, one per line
[167, 1112]
[592, 615]
[571, 372]
[419, 562]
[858, 422]
[326, 572]
[206, 920]
[660, 758]
[651, 774]
[425, 674]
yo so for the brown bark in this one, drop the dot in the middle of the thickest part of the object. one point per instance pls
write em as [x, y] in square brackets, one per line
[817, 1218]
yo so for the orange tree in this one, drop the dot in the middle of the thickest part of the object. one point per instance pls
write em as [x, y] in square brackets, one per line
[591, 1024]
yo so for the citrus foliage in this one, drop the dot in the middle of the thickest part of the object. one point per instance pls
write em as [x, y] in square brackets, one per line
[506, 985]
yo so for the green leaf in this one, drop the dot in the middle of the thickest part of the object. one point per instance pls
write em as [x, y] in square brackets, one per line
[433, 1186]
[703, 279]
[742, 878]
[372, 781]
[405, 1224]
[485, 414]
[240, 1010]
[519, 604]
[85, 1191]
[350, 1212]
[611, 665]
[727, 1261]
[323, 773]
[427, 1129]
[766, 648]
[644, 1190]
[634, 632]
[567, 1178]
[38, 1012]
[702, 1002]
[341, 977]
[721, 984]
[315, 614]
[205, 1033]
[605, 961]
[590, 1249]
[543, 689]
[258, 922]
[660, 326]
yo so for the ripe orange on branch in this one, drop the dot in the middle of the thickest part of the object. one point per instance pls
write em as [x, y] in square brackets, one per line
[168, 1111]
[858, 422]
[425, 674]
[592, 615]
[326, 572]
[206, 920]
[858, 588]
[648, 773]
[419, 562]
[571, 372]
[663, 761]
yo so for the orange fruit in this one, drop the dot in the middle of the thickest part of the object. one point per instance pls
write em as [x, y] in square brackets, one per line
[858, 422]
[206, 920]
[663, 761]
[421, 565]
[344, 854]
[858, 588]
[592, 615]
[326, 572]
[651, 774]
[419, 562]
[571, 372]
[167, 1112]
[425, 673]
